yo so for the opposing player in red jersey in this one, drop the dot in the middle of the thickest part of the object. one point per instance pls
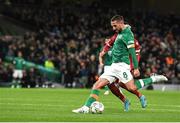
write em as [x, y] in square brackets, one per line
[113, 86]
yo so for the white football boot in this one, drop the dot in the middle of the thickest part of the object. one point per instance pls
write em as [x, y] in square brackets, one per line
[106, 93]
[158, 78]
[84, 110]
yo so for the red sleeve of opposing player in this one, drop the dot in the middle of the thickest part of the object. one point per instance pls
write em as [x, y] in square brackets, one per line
[137, 46]
[110, 43]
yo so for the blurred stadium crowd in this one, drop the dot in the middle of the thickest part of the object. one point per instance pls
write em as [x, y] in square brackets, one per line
[72, 39]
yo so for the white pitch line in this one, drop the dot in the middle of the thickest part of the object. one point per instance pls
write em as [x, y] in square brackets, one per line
[159, 109]
[39, 100]
[159, 105]
[177, 106]
[29, 104]
[149, 104]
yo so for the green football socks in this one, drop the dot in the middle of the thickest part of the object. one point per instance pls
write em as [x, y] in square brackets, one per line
[140, 83]
[92, 98]
[106, 88]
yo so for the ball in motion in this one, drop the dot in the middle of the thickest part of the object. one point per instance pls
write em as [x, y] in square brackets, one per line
[97, 107]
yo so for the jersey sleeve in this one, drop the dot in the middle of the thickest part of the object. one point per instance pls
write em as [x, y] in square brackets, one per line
[129, 40]
[110, 43]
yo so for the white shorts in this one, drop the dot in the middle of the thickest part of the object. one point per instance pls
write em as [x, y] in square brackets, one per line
[18, 74]
[119, 71]
[107, 68]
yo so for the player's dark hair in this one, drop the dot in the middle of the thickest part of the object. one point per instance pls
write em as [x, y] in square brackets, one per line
[117, 18]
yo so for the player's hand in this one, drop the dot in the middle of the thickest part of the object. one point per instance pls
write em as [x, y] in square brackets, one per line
[101, 64]
[136, 73]
[107, 40]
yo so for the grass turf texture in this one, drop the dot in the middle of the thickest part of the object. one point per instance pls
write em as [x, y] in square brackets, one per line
[48, 105]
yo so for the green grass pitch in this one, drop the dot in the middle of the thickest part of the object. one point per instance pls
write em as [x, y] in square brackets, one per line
[51, 105]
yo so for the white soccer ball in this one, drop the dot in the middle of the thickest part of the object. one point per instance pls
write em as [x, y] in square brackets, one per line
[97, 107]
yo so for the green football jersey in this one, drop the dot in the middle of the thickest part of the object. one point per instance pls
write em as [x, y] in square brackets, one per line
[18, 62]
[124, 40]
[108, 58]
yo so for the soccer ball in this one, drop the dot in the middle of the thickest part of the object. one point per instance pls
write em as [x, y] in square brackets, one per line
[96, 107]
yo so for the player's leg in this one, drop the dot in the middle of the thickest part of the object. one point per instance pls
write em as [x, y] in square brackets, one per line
[14, 81]
[136, 92]
[134, 85]
[126, 77]
[112, 86]
[106, 68]
[20, 76]
[140, 83]
[106, 78]
[141, 97]
[118, 93]
[117, 70]
[13, 85]
[94, 96]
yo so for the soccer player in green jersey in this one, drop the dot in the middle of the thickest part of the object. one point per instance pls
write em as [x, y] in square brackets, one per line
[123, 47]
[106, 60]
[18, 71]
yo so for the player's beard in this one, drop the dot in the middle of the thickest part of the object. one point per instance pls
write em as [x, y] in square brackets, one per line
[117, 31]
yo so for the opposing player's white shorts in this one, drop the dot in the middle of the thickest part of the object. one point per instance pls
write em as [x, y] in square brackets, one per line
[119, 71]
[18, 74]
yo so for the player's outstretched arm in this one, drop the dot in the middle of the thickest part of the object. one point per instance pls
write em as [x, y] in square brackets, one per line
[132, 53]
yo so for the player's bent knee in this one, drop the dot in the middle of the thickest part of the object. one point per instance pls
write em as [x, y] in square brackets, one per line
[100, 83]
[130, 86]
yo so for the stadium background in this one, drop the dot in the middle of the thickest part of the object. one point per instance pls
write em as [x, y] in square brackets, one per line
[69, 34]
